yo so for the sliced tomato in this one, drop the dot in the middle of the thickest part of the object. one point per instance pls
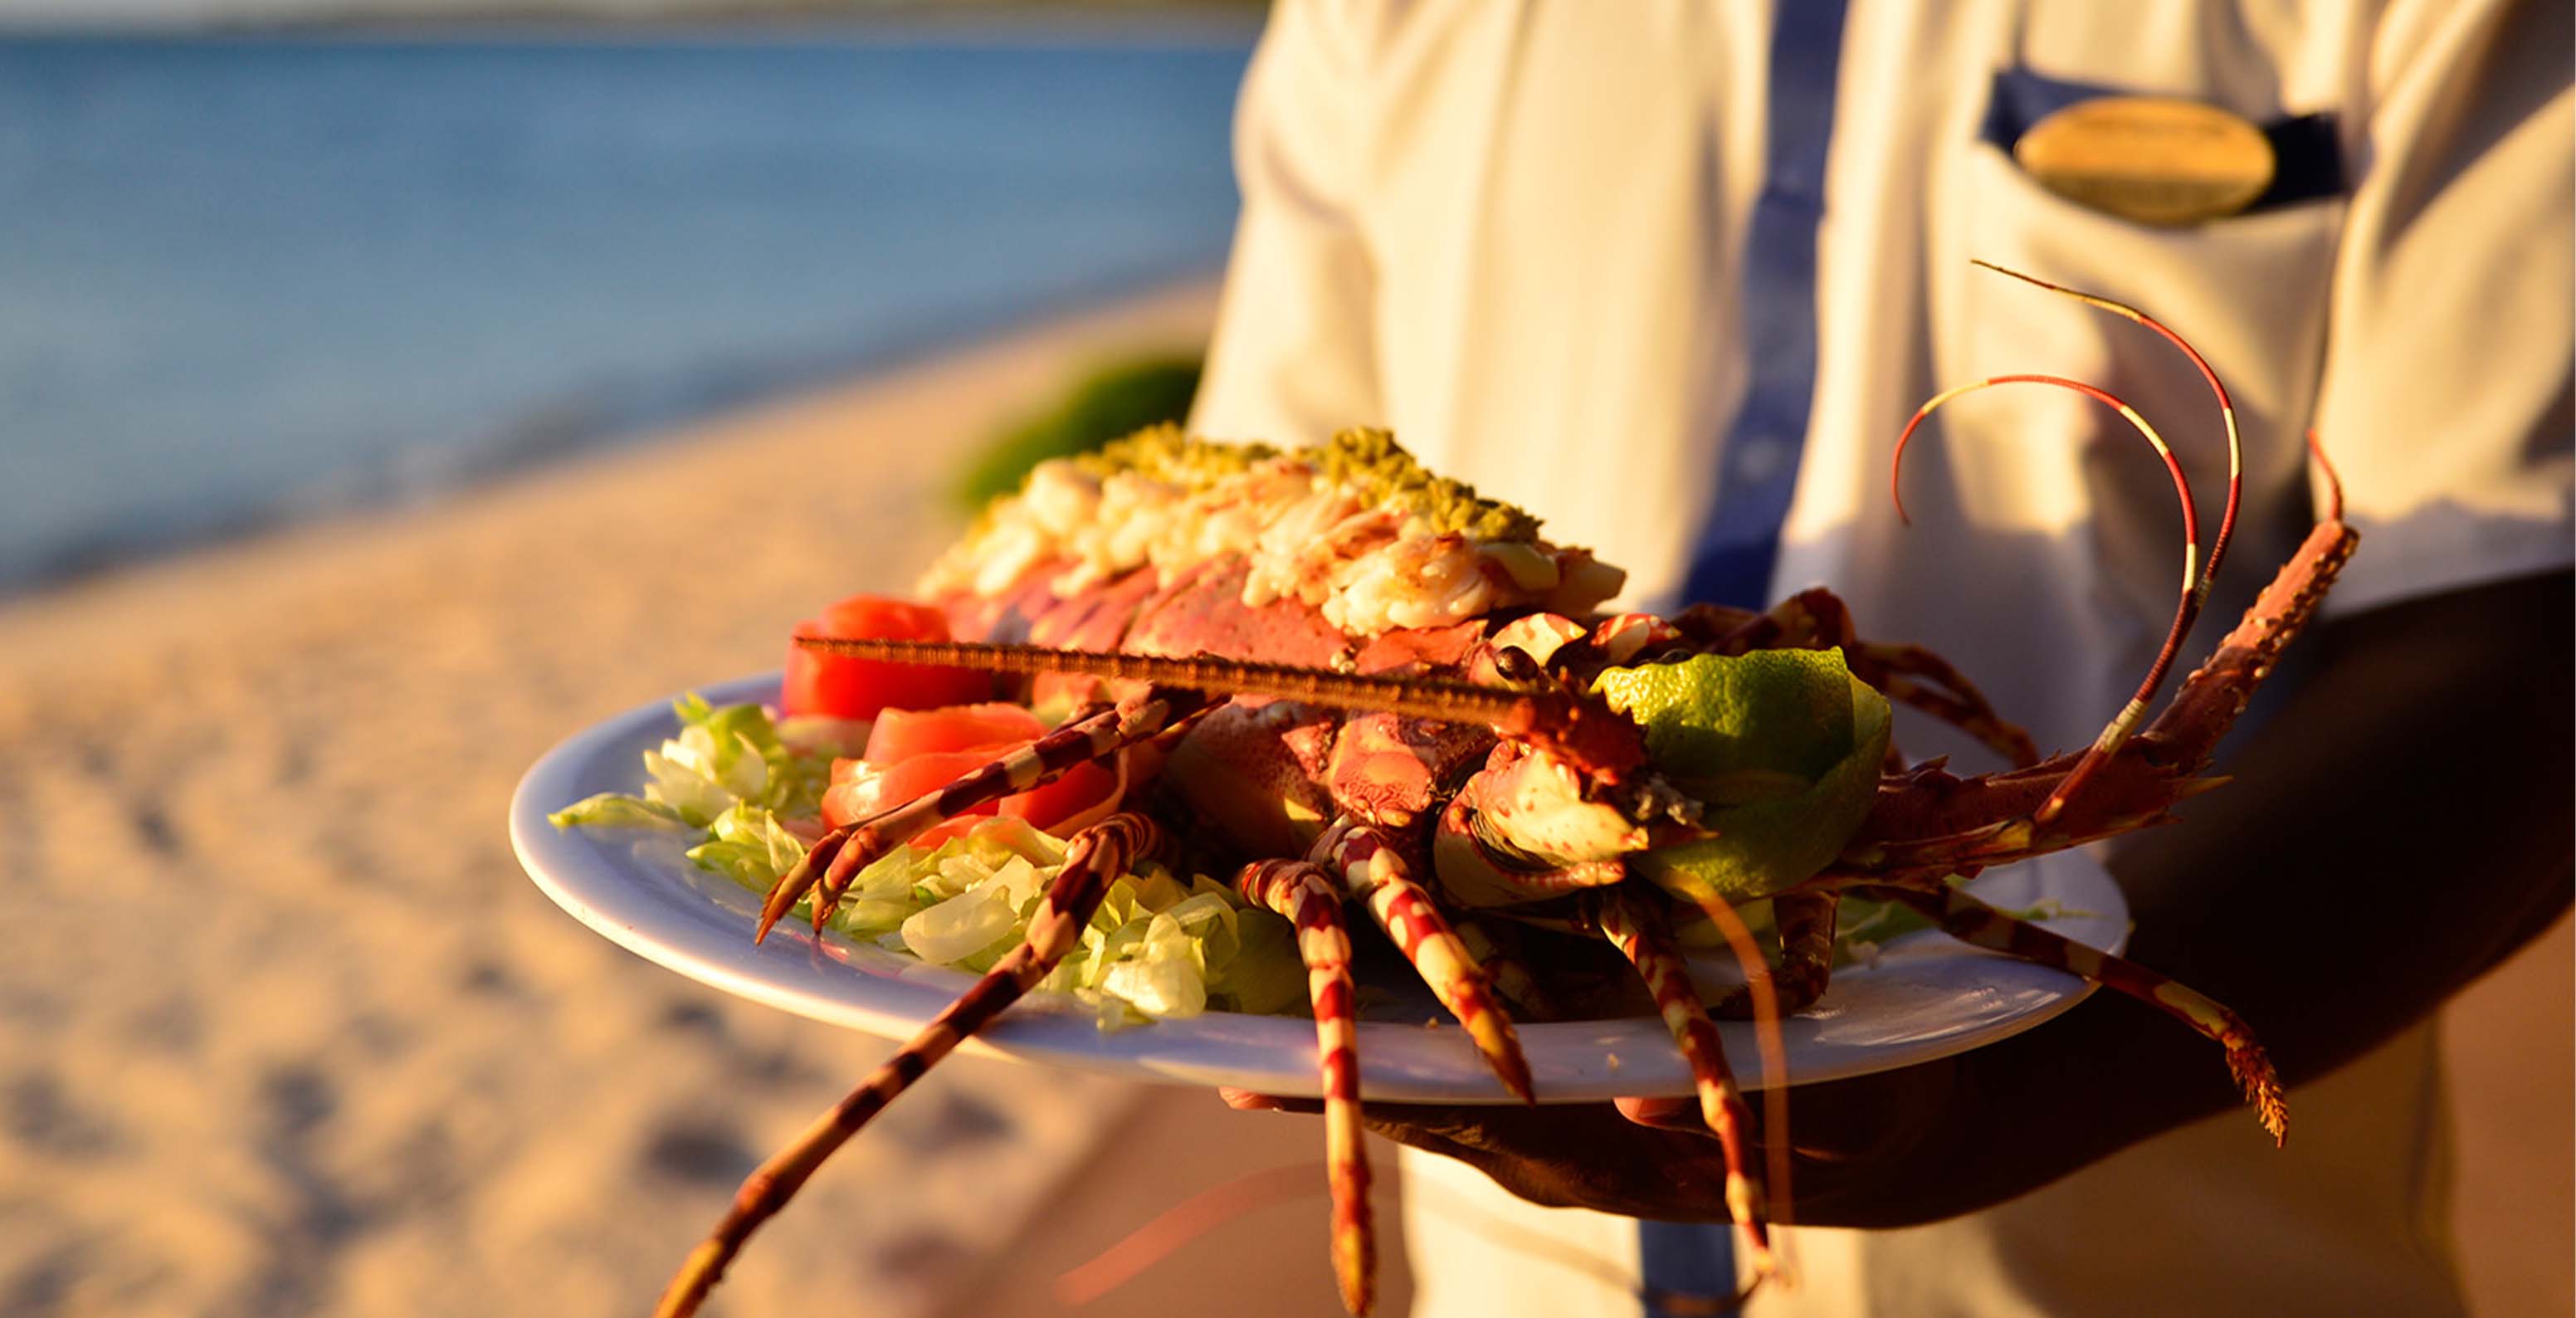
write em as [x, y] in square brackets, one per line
[901, 734]
[861, 788]
[838, 809]
[848, 688]
[836, 804]
[870, 787]
[923, 774]
[1082, 787]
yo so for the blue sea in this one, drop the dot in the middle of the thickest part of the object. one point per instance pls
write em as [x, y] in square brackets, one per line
[244, 280]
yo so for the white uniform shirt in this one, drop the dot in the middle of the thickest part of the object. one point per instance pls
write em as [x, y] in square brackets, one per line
[1514, 232]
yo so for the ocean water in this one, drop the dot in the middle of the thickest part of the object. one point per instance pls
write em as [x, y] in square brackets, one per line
[243, 280]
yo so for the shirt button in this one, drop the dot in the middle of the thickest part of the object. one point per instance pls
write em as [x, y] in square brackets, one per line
[1763, 459]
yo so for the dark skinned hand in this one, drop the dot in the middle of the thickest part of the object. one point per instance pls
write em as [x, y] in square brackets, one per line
[2401, 824]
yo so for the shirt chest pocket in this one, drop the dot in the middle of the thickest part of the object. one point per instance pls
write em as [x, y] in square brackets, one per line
[2268, 266]
[2250, 290]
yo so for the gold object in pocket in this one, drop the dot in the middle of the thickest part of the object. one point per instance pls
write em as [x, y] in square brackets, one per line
[2153, 159]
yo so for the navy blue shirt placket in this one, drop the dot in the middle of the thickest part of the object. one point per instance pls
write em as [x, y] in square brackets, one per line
[1740, 542]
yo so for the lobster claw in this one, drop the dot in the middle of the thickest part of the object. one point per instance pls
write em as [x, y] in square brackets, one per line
[1524, 829]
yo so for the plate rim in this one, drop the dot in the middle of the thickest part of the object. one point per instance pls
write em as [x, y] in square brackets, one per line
[842, 982]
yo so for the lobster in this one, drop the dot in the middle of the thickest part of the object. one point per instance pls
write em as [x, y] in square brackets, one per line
[1370, 685]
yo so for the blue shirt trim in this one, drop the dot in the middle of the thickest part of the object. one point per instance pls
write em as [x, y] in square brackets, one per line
[1740, 544]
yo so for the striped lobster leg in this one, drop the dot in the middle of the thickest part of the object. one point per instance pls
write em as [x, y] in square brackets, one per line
[1373, 870]
[1806, 921]
[1639, 932]
[834, 862]
[1495, 948]
[1095, 857]
[1965, 918]
[1907, 674]
[1305, 894]
[1892, 669]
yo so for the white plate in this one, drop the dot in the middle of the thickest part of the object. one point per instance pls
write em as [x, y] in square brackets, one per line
[1928, 996]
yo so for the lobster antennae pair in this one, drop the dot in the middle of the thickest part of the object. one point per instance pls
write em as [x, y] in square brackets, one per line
[1576, 724]
[2217, 390]
[2197, 575]
[1419, 697]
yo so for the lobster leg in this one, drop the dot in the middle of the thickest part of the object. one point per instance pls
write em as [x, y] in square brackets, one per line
[1908, 674]
[1372, 870]
[1970, 920]
[1640, 935]
[2217, 692]
[1806, 921]
[1873, 664]
[1096, 856]
[1943, 825]
[835, 861]
[1304, 893]
[1496, 950]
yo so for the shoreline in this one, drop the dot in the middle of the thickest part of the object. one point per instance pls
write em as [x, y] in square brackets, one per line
[601, 417]
[998, 377]
[411, 267]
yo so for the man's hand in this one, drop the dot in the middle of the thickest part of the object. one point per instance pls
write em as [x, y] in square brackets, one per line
[1643, 1157]
[2400, 825]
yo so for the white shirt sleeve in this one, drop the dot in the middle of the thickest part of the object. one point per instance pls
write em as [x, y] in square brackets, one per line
[2445, 400]
[1294, 357]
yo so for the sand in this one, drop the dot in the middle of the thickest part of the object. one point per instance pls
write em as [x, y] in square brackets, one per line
[283, 1027]
[284, 1030]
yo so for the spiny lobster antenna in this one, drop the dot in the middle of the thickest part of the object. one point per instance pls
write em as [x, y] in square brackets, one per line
[2334, 480]
[2226, 407]
[2197, 577]
[1576, 724]
[1419, 697]
[2194, 588]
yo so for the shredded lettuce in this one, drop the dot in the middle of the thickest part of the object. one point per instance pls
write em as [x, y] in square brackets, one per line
[1159, 948]
[610, 810]
[816, 734]
[748, 845]
[725, 757]
[960, 926]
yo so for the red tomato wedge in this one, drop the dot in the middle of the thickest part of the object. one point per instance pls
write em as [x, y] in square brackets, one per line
[840, 687]
[1082, 787]
[914, 752]
[868, 786]
[901, 734]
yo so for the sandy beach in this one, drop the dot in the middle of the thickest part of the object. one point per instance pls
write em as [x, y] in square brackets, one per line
[287, 1031]
[284, 1030]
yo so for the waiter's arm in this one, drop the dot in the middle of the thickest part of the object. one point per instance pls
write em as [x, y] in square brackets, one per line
[2399, 826]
